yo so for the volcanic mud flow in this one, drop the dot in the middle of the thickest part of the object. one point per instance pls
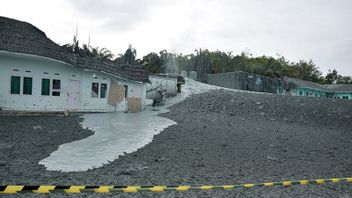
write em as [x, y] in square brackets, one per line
[221, 138]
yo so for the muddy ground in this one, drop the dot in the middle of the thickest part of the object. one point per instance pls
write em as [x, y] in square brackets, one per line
[222, 137]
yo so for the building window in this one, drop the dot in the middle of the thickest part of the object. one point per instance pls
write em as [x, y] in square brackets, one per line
[45, 87]
[103, 88]
[56, 87]
[27, 85]
[126, 91]
[95, 90]
[300, 93]
[307, 94]
[15, 84]
[315, 94]
[281, 90]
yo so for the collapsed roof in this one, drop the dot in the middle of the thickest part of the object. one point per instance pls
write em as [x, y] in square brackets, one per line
[22, 37]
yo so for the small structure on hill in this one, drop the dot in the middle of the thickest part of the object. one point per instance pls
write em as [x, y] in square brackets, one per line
[36, 74]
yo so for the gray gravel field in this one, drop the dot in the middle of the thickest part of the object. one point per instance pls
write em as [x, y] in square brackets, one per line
[221, 138]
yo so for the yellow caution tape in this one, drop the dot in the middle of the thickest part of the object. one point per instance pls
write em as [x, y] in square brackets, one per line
[10, 189]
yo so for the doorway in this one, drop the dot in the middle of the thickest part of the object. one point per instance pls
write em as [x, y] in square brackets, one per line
[74, 102]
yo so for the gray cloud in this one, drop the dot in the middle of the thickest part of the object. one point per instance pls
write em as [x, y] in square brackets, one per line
[119, 15]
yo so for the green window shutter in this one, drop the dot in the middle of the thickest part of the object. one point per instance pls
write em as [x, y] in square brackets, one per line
[15, 84]
[103, 88]
[45, 87]
[27, 85]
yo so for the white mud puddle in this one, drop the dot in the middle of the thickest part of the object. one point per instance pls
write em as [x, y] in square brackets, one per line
[116, 133]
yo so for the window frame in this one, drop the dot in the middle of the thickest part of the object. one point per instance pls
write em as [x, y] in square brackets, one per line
[49, 87]
[19, 85]
[100, 90]
[53, 90]
[126, 90]
[24, 87]
[92, 91]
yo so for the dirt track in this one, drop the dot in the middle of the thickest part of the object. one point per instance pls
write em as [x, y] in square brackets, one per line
[221, 138]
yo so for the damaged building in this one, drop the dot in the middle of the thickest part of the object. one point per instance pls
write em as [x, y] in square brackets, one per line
[36, 74]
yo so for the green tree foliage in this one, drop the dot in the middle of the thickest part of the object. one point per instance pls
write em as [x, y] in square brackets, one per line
[201, 64]
[152, 62]
[331, 76]
[334, 77]
[344, 80]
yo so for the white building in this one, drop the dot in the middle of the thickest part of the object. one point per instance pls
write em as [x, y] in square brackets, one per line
[38, 75]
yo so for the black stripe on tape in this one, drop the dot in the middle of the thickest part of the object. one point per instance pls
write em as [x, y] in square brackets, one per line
[62, 187]
[2, 188]
[25, 188]
[91, 187]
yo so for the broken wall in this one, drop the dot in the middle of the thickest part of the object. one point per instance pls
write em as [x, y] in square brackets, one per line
[163, 84]
[135, 104]
[116, 93]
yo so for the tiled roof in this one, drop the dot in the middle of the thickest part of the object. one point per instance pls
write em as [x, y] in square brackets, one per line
[304, 84]
[340, 87]
[327, 88]
[22, 37]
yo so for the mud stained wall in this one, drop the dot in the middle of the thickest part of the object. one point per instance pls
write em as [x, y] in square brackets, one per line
[245, 81]
[135, 104]
[116, 93]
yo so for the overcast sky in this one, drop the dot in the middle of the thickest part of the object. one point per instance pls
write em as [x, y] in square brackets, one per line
[320, 30]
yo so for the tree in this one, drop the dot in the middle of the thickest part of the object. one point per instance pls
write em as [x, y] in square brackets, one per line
[202, 65]
[307, 70]
[344, 79]
[152, 63]
[331, 77]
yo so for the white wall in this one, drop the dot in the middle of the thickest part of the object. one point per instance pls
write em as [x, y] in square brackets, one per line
[64, 72]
